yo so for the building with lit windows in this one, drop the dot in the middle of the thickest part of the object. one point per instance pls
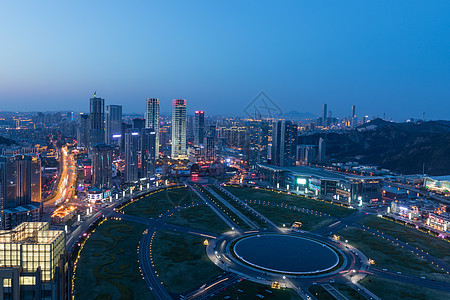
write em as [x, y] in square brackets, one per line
[34, 263]
[97, 120]
[132, 137]
[199, 127]
[439, 221]
[152, 120]
[179, 129]
[148, 158]
[102, 160]
[19, 186]
[113, 124]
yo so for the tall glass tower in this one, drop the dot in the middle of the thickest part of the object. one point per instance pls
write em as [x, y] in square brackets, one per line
[179, 129]
[97, 117]
[152, 120]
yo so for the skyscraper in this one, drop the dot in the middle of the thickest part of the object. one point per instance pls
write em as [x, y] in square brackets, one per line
[199, 127]
[284, 143]
[210, 143]
[83, 130]
[102, 166]
[179, 129]
[354, 119]
[113, 124]
[148, 161]
[322, 148]
[131, 155]
[152, 120]
[324, 115]
[97, 117]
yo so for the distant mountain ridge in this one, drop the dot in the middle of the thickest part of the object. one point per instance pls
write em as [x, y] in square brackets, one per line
[6, 141]
[401, 147]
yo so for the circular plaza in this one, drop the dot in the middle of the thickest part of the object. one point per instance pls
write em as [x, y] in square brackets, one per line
[286, 254]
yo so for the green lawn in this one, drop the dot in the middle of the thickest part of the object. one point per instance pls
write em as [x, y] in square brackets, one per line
[433, 245]
[245, 193]
[199, 217]
[387, 289]
[348, 291]
[390, 256]
[247, 290]
[320, 293]
[159, 202]
[108, 267]
[286, 216]
[181, 261]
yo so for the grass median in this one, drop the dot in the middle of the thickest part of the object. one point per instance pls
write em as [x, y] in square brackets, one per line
[199, 217]
[245, 193]
[280, 216]
[388, 289]
[247, 290]
[390, 256]
[433, 245]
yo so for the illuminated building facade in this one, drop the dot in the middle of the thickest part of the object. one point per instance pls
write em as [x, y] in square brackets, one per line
[179, 129]
[97, 120]
[439, 221]
[148, 159]
[33, 263]
[113, 124]
[199, 127]
[83, 131]
[19, 186]
[102, 160]
[152, 120]
[284, 143]
[131, 155]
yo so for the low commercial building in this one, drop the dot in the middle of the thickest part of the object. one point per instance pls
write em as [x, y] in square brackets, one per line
[439, 221]
[405, 209]
[34, 263]
[395, 193]
[440, 184]
[351, 189]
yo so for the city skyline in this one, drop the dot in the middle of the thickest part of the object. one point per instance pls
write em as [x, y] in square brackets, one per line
[304, 55]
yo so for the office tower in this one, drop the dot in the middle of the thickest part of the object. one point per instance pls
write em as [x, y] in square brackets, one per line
[113, 124]
[179, 129]
[199, 127]
[257, 141]
[83, 131]
[152, 119]
[322, 148]
[324, 115]
[131, 155]
[148, 160]
[34, 263]
[353, 118]
[102, 160]
[18, 186]
[97, 117]
[138, 123]
[284, 143]
[210, 143]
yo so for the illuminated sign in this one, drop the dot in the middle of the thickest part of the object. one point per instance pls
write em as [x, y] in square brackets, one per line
[301, 181]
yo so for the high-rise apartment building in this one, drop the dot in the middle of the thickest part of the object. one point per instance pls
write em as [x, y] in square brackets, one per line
[131, 155]
[179, 129]
[324, 115]
[152, 120]
[199, 127]
[102, 160]
[97, 118]
[113, 124]
[83, 131]
[284, 143]
[321, 157]
[148, 160]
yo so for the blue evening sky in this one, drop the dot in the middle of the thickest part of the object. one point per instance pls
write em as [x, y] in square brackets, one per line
[382, 56]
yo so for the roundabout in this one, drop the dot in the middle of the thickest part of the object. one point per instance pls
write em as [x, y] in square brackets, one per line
[286, 254]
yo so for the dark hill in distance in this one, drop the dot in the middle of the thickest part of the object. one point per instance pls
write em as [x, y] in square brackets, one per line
[6, 141]
[401, 147]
